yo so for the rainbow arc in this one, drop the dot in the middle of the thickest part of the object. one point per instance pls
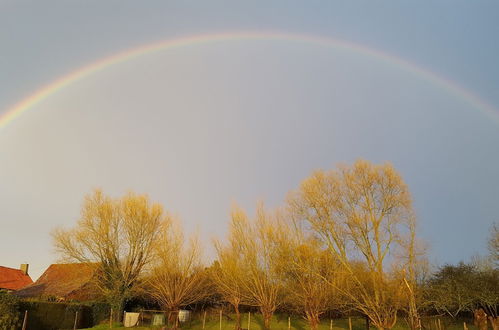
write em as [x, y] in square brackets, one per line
[59, 84]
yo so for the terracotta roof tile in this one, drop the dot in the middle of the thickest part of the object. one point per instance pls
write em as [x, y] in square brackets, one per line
[67, 281]
[13, 279]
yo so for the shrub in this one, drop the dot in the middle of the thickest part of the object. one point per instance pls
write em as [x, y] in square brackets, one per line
[9, 311]
[100, 312]
[52, 316]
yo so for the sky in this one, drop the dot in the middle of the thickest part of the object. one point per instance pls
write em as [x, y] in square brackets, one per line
[241, 120]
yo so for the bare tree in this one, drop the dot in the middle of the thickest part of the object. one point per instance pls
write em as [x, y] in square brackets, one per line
[493, 244]
[363, 212]
[228, 275]
[119, 236]
[414, 266]
[307, 271]
[178, 278]
[257, 241]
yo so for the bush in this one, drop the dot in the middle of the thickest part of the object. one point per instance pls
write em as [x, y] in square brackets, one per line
[9, 311]
[100, 312]
[52, 316]
[46, 315]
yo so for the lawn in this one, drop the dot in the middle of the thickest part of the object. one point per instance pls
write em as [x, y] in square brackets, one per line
[280, 322]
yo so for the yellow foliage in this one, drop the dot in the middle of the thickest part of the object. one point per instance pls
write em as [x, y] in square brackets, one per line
[119, 235]
[363, 212]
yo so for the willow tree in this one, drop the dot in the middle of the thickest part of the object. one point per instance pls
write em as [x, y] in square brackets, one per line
[257, 240]
[228, 274]
[178, 277]
[307, 271]
[118, 235]
[363, 215]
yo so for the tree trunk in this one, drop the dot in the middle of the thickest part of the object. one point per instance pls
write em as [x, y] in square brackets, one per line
[386, 321]
[118, 303]
[267, 317]
[238, 317]
[173, 318]
[313, 319]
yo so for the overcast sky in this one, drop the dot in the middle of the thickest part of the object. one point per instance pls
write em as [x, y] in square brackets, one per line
[202, 126]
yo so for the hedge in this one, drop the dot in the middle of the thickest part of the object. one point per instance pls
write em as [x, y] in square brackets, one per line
[54, 316]
[9, 311]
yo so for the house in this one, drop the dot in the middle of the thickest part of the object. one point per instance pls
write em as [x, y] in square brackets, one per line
[64, 282]
[12, 279]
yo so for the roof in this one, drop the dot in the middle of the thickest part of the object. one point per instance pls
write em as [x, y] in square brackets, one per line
[13, 279]
[64, 281]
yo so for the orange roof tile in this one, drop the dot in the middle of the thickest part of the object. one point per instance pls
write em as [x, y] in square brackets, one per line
[68, 281]
[13, 279]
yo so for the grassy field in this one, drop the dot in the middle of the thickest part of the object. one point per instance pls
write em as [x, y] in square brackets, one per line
[280, 322]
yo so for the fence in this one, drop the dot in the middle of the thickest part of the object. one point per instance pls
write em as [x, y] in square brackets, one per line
[221, 319]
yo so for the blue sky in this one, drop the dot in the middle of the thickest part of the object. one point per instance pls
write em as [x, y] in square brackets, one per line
[200, 127]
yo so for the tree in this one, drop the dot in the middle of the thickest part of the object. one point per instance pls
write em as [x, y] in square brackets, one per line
[307, 271]
[494, 244]
[268, 258]
[229, 276]
[258, 242]
[451, 289]
[364, 213]
[464, 288]
[119, 236]
[487, 292]
[178, 278]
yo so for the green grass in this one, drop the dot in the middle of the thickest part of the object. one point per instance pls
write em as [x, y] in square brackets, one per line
[119, 326]
[280, 322]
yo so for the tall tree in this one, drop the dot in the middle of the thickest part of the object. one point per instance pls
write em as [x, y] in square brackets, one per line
[228, 274]
[118, 235]
[257, 240]
[363, 212]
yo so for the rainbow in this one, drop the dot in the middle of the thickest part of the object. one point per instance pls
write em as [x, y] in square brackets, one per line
[56, 86]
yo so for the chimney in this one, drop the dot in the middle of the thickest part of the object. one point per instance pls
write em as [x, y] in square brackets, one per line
[24, 268]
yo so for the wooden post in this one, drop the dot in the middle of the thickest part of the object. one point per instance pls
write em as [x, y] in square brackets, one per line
[439, 325]
[204, 318]
[25, 320]
[289, 322]
[350, 323]
[76, 320]
[249, 320]
[331, 325]
[220, 319]
[111, 319]
[367, 322]
[464, 326]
